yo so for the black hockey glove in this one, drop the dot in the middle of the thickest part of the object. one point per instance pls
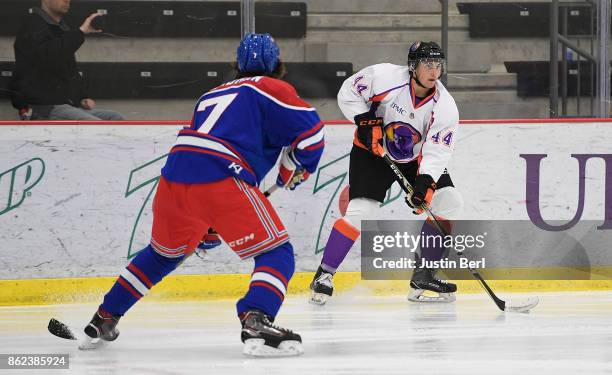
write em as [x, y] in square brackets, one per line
[424, 187]
[369, 132]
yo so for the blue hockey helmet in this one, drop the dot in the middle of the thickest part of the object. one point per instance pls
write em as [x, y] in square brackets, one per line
[257, 53]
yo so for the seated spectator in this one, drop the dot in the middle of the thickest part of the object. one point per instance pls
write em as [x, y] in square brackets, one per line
[46, 84]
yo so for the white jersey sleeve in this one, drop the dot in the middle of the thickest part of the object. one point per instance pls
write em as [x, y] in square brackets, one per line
[361, 88]
[355, 93]
[440, 139]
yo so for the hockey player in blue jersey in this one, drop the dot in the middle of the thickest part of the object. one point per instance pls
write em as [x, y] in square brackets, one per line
[237, 133]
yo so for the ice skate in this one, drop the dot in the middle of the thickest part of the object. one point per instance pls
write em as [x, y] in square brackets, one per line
[100, 329]
[322, 287]
[261, 338]
[424, 280]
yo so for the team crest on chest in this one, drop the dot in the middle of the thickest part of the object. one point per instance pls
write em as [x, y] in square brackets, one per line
[400, 140]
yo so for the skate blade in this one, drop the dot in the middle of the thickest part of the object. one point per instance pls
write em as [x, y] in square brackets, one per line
[87, 343]
[258, 348]
[418, 295]
[318, 298]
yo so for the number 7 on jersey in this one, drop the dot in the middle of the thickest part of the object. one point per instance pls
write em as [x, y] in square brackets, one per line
[220, 104]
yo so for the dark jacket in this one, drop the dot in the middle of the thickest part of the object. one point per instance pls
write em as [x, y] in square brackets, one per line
[45, 64]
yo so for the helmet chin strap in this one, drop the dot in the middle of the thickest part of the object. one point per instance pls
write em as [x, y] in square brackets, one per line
[418, 82]
[414, 76]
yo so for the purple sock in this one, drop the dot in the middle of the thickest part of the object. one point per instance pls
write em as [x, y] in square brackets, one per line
[432, 248]
[339, 243]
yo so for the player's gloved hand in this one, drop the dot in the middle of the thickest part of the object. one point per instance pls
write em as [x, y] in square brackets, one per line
[290, 171]
[424, 187]
[369, 132]
[210, 240]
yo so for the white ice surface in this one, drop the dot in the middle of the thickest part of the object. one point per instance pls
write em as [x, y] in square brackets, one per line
[567, 333]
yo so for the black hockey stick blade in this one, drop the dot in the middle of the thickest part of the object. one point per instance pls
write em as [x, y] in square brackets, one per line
[59, 329]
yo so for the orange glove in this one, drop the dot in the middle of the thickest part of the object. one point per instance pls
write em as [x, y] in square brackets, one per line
[369, 132]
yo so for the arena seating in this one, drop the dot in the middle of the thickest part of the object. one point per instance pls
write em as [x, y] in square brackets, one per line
[6, 73]
[204, 33]
[520, 19]
[179, 19]
[533, 77]
[176, 80]
[171, 19]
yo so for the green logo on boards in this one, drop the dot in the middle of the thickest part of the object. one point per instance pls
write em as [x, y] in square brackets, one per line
[16, 183]
[144, 177]
[332, 175]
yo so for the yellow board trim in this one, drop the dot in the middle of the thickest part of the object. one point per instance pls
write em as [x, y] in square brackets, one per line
[222, 286]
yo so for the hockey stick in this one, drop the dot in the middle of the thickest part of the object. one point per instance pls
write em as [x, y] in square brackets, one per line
[63, 331]
[271, 190]
[501, 304]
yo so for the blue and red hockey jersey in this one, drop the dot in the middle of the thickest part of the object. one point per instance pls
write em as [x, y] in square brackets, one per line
[239, 129]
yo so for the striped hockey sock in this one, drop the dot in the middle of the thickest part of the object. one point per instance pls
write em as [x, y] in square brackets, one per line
[269, 281]
[144, 271]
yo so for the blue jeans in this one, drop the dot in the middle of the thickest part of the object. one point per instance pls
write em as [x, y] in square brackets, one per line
[68, 112]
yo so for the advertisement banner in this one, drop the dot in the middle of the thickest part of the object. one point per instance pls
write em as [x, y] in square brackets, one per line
[75, 200]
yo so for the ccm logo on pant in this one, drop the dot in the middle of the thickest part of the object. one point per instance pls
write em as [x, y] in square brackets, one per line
[242, 241]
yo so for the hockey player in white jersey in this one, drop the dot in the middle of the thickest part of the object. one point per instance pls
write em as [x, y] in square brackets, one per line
[407, 113]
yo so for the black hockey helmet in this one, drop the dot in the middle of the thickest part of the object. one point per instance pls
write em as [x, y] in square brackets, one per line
[425, 51]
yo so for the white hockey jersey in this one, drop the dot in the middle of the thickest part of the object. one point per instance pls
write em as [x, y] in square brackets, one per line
[425, 130]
